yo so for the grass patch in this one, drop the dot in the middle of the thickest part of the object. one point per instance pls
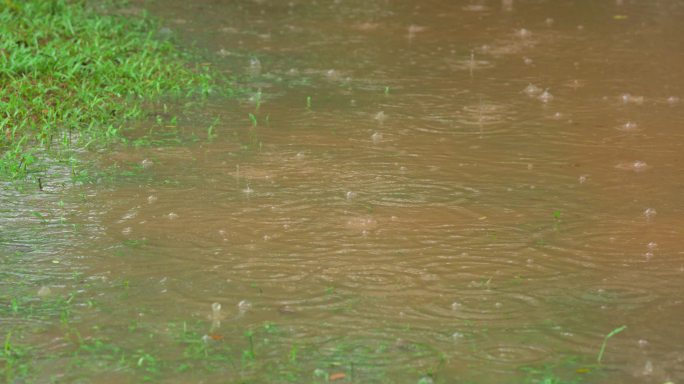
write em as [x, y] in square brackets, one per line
[71, 75]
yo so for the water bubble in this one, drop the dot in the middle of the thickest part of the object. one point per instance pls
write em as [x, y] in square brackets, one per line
[172, 216]
[44, 291]
[244, 306]
[650, 213]
[545, 97]
[376, 137]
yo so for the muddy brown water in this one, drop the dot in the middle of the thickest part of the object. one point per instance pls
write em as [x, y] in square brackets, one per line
[410, 201]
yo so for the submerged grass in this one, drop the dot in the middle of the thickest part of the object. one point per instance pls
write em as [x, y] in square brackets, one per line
[72, 74]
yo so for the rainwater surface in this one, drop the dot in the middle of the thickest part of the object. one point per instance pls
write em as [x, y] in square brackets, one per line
[411, 191]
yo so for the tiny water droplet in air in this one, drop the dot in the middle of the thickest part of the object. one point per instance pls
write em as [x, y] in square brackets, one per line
[376, 137]
[457, 335]
[172, 216]
[456, 306]
[146, 163]
[151, 199]
[652, 245]
[350, 195]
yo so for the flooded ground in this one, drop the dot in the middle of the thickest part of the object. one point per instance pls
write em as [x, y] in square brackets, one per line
[416, 191]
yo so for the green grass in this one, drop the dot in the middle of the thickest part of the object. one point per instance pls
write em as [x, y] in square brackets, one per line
[72, 75]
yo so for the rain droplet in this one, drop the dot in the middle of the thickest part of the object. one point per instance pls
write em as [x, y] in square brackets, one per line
[216, 310]
[44, 291]
[146, 163]
[650, 213]
[524, 33]
[244, 306]
[648, 367]
[629, 126]
[380, 117]
[545, 97]
[532, 90]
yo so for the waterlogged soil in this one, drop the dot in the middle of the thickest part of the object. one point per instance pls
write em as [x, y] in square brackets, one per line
[462, 191]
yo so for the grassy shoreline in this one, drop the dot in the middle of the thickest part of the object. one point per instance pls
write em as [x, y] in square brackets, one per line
[72, 74]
